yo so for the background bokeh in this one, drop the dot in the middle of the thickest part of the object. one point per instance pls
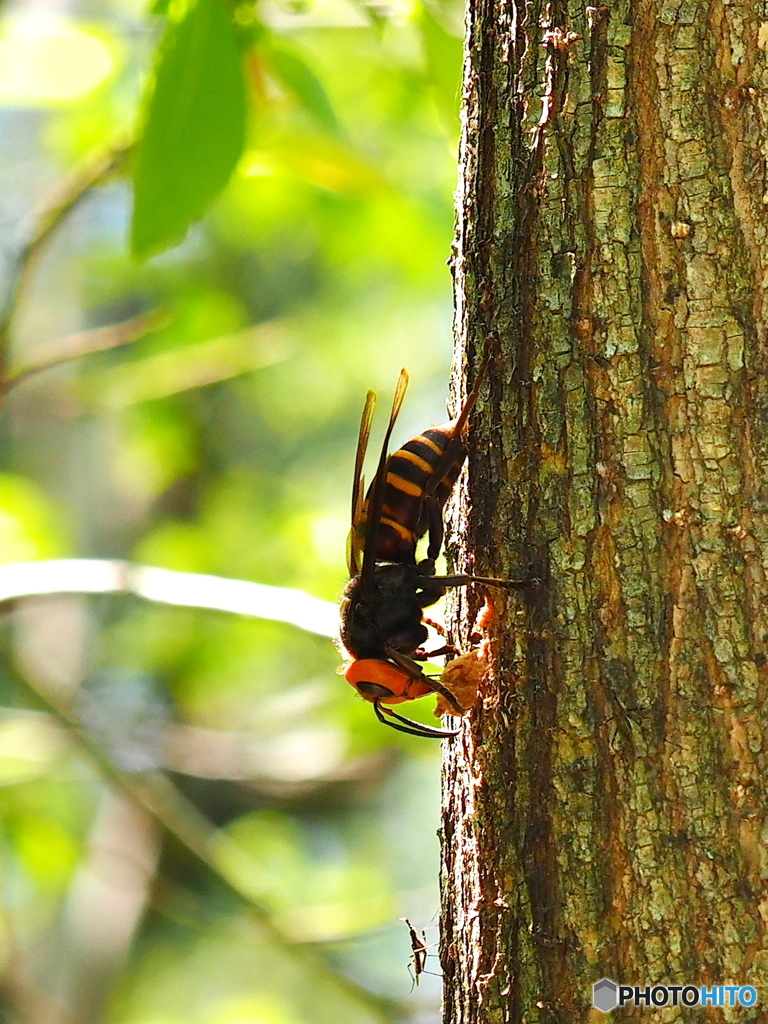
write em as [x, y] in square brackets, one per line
[201, 822]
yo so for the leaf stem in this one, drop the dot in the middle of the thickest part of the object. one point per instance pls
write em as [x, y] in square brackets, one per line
[65, 198]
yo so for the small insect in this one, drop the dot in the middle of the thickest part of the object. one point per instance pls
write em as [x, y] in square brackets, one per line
[382, 611]
[419, 951]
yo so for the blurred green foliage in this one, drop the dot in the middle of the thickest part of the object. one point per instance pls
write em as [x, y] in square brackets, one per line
[288, 187]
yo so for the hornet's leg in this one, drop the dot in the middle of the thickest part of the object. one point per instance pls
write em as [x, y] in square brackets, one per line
[408, 726]
[415, 672]
[436, 531]
[463, 581]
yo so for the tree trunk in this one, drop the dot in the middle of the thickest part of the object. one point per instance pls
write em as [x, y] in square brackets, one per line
[605, 807]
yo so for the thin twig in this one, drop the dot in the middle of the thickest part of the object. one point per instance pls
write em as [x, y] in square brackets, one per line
[84, 343]
[65, 198]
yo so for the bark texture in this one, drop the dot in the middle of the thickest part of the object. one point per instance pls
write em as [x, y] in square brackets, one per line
[605, 806]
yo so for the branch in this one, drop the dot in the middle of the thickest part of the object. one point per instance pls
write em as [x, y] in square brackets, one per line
[65, 198]
[185, 589]
[84, 343]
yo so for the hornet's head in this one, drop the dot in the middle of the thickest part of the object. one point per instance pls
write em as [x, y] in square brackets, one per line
[381, 681]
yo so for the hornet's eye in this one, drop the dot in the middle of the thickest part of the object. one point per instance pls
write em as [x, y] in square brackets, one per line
[373, 691]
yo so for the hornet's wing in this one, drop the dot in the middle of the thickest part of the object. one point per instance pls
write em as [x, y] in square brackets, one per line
[354, 544]
[375, 502]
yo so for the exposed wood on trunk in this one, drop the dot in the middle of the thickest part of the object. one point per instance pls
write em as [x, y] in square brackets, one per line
[606, 807]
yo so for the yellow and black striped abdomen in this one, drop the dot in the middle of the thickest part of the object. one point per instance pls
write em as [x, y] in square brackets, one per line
[410, 475]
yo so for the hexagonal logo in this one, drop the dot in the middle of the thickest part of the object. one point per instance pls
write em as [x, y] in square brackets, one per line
[605, 995]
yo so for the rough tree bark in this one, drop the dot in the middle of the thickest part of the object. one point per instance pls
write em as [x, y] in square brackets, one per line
[605, 807]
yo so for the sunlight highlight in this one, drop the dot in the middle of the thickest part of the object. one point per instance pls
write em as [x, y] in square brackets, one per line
[46, 60]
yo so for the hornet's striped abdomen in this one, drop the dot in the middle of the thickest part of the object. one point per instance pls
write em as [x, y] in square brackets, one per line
[410, 476]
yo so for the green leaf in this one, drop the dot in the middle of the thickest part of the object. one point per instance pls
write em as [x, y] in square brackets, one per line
[298, 77]
[194, 130]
